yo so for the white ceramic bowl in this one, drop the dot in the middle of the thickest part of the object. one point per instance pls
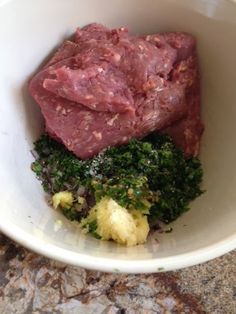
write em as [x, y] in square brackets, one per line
[29, 30]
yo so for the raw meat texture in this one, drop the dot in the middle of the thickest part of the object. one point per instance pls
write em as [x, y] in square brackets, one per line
[159, 109]
[99, 87]
[86, 132]
[106, 87]
[68, 49]
[187, 132]
[92, 34]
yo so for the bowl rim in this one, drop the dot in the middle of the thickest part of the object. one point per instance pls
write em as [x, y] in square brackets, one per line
[113, 265]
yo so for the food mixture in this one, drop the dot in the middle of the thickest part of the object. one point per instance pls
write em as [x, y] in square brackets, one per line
[123, 128]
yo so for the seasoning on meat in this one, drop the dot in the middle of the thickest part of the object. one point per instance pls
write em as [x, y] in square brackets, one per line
[107, 86]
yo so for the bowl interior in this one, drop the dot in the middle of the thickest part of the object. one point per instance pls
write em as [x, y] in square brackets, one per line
[29, 31]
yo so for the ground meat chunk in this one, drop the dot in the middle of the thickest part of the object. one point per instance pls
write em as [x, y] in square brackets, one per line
[92, 34]
[106, 87]
[67, 50]
[86, 132]
[99, 87]
[187, 132]
[159, 109]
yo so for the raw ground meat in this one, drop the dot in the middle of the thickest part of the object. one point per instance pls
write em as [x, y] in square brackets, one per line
[187, 132]
[99, 87]
[106, 87]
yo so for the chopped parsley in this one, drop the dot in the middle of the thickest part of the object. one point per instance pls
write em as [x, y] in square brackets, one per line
[151, 175]
[92, 227]
[131, 192]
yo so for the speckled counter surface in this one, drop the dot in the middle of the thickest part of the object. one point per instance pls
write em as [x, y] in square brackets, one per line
[30, 283]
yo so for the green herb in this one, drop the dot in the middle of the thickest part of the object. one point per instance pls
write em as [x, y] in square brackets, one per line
[131, 192]
[92, 228]
[151, 175]
[57, 168]
[175, 179]
[37, 168]
[71, 213]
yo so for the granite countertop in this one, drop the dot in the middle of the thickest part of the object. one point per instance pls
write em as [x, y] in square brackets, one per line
[30, 283]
